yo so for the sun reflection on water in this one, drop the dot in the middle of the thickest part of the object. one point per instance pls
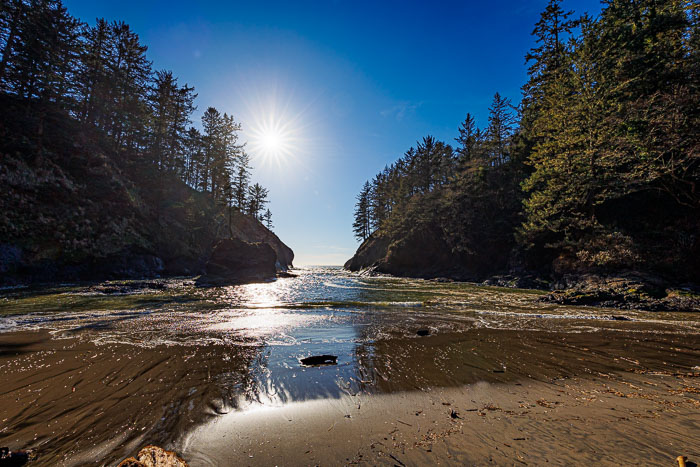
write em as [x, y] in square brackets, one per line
[259, 310]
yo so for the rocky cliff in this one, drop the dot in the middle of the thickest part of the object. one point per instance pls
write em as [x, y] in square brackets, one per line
[421, 253]
[74, 208]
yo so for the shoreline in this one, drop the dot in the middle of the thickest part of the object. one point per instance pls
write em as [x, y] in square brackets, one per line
[625, 291]
[604, 420]
[572, 397]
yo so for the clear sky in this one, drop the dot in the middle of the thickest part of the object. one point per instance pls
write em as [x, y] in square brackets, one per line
[351, 84]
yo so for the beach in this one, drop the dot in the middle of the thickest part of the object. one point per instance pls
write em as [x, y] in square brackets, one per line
[91, 389]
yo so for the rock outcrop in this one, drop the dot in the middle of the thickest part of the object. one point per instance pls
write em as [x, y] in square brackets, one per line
[77, 209]
[234, 261]
[421, 253]
[154, 456]
[251, 230]
[626, 291]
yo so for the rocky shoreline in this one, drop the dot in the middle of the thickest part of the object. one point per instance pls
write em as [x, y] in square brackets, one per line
[624, 291]
[428, 258]
[251, 253]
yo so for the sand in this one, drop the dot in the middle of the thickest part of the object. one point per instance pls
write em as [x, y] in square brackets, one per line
[481, 397]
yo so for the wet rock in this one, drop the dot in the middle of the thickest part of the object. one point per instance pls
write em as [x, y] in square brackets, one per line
[154, 456]
[631, 291]
[235, 261]
[286, 274]
[526, 281]
[10, 458]
[127, 287]
[131, 462]
[316, 360]
[423, 332]
[442, 280]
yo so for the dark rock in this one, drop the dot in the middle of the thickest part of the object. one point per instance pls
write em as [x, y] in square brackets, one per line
[442, 280]
[235, 261]
[10, 458]
[154, 456]
[315, 360]
[10, 258]
[526, 281]
[423, 332]
[286, 274]
[371, 252]
[625, 292]
[250, 230]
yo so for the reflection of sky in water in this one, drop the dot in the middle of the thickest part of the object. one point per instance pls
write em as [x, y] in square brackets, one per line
[176, 312]
[323, 311]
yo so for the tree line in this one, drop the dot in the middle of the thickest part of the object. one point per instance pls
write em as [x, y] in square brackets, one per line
[598, 166]
[100, 76]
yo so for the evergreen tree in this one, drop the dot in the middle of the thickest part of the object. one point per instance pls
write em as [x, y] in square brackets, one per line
[194, 157]
[468, 139]
[267, 219]
[130, 72]
[171, 109]
[241, 181]
[500, 130]
[94, 77]
[362, 224]
[547, 58]
[257, 199]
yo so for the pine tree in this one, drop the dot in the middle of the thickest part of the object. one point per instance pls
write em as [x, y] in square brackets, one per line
[267, 219]
[12, 20]
[257, 199]
[194, 157]
[546, 59]
[241, 181]
[171, 107]
[94, 77]
[130, 71]
[362, 224]
[500, 130]
[468, 139]
[211, 123]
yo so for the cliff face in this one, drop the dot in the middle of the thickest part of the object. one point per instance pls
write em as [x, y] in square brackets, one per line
[421, 253]
[73, 208]
[251, 230]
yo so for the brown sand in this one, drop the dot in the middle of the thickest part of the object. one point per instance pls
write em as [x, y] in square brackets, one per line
[603, 398]
[641, 420]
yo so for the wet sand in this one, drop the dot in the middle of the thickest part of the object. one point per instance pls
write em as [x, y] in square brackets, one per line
[610, 397]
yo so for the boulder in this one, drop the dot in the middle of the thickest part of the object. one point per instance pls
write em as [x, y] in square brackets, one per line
[318, 360]
[154, 456]
[235, 261]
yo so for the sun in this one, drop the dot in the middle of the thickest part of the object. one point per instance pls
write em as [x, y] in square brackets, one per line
[272, 140]
[276, 127]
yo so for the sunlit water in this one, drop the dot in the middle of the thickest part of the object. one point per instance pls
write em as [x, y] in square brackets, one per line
[92, 371]
[322, 311]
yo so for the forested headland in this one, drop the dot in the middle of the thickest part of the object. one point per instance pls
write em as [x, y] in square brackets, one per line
[595, 173]
[102, 171]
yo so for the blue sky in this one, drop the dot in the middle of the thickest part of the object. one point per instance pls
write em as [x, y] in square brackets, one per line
[356, 83]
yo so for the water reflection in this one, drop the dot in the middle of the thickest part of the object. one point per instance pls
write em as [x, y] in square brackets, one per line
[170, 356]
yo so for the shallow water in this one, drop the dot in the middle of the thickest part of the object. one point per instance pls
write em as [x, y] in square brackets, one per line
[235, 348]
[322, 311]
